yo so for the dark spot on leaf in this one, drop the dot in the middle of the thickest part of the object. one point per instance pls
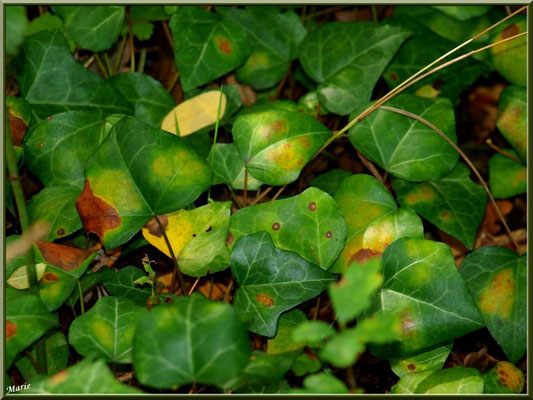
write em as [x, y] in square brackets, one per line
[194, 235]
[303, 230]
[394, 77]
[511, 30]
[265, 299]
[18, 129]
[224, 45]
[411, 367]
[275, 226]
[60, 232]
[11, 329]
[96, 215]
[286, 146]
[153, 226]
[329, 235]
[364, 255]
[312, 206]
[49, 118]
[445, 216]
[64, 257]
[437, 84]
[50, 277]
[209, 229]
[169, 299]
[229, 239]
[41, 144]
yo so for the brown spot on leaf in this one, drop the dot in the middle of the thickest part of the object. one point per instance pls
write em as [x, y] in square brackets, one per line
[169, 299]
[11, 329]
[278, 126]
[18, 129]
[275, 226]
[393, 77]
[96, 215]
[49, 118]
[64, 257]
[224, 45]
[59, 377]
[445, 216]
[312, 206]
[411, 367]
[229, 239]
[329, 235]
[265, 299]
[41, 144]
[286, 146]
[209, 229]
[50, 277]
[364, 255]
[511, 30]
[60, 232]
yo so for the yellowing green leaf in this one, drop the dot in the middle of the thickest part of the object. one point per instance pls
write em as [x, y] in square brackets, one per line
[19, 278]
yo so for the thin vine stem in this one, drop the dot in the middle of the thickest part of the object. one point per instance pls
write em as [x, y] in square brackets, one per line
[502, 152]
[82, 306]
[464, 156]
[215, 140]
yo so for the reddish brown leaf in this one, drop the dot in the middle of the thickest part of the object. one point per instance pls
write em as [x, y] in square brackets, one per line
[65, 257]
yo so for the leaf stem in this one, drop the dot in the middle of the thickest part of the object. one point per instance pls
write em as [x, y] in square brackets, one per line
[142, 59]
[173, 82]
[281, 189]
[121, 49]
[82, 306]
[108, 65]
[464, 156]
[502, 152]
[215, 141]
[258, 198]
[33, 362]
[101, 65]
[132, 46]
[177, 272]
[245, 192]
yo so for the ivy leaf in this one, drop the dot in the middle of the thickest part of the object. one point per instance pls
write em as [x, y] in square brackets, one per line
[155, 171]
[423, 288]
[281, 387]
[16, 24]
[173, 344]
[347, 59]
[122, 284]
[454, 203]
[90, 280]
[283, 342]
[55, 205]
[150, 100]
[206, 47]
[305, 364]
[373, 221]
[57, 354]
[308, 224]
[357, 279]
[276, 144]
[427, 360]
[106, 330]
[48, 21]
[51, 90]
[312, 333]
[57, 149]
[274, 39]
[445, 381]
[27, 319]
[198, 237]
[463, 13]
[405, 147]
[271, 281]
[87, 376]
[329, 181]
[94, 28]
[512, 118]
[507, 177]
[505, 378]
[228, 168]
[496, 278]
[321, 384]
[510, 58]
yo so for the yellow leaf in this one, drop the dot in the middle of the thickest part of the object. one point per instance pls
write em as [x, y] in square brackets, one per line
[19, 278]
[195, 114]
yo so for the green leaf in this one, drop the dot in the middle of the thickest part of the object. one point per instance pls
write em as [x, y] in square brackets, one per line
[321, 384]
[312, 333]
[271, 281]
[373, 221]
[27, 319]
[353, 292]
[205, 47]
[228, 168]
[48, 21]
[342, 349]
[94, 28]
[106, 331]
[198, 237]
[512, 118]
[274, 39]
[424, 289]
[454, 203]
[426, 360]
[463, 13]
[85, 377]
[347, 59]
[16, 24]
[507, 177]
[57, 354]
[496, 278]
[504, 378]
[56, 205]
[51, 90]
[276, 144]
[445, 381]
[510, 58]
[405, 147]
[329, 181]
[308, 224]
[306, 363]
[122, 284]
[174, 344]
[310, 104]
[157, 173]
[150, 100]
[90, 280]
[281, 387]
[282, 342]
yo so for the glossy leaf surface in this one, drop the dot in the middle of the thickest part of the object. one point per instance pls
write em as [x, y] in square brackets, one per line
[282, 342]
[271, 281]
[512, 118]
[507, 177]
[228, 168]
[427, 360]
[446, 381]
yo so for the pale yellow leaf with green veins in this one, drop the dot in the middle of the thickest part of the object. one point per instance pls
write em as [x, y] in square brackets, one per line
[195, 113]
[19, 278]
